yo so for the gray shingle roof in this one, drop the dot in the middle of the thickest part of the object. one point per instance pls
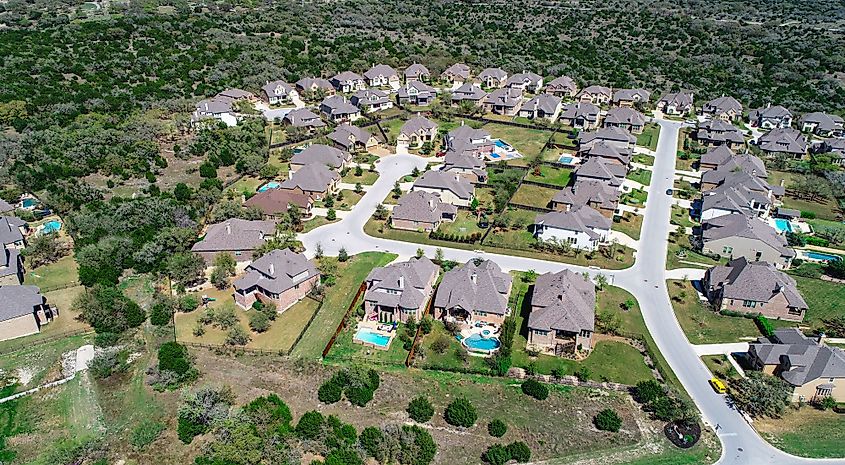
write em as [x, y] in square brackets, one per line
[757, 281]
[417, 71]
[401, 284]
[348, 135]
[524, 78]
[595, 90]
[717, 155]
[19, 301]
[786, 140]
[738, 225]
[719, 131]
[823, 121]
[321, 154]
[235, 234]
[10, 229]
[583, 219]
[587, 111]
[610, 151]
[423, 90]
[678, 99]
[586, 191]
[456, 160]
[422, 206]
[214, 106]
[381, 70]
[614, 134]
[496, 73]
[770, 112]
[814, 362]
[597, 168]
[441, 180]
[482, 288]
[338, 105]
[303, 117]
[6, 207]
[346, 76]
[641, 95]
[417, 125]
[547, 103]
[276, 89]
[624, 116]
[313, 177]
[236, 94]
[563, 301]
[562, 83]
[277, 271]
[369, 97]
[11, 262]
[458, 70]
[746, 163]
[314, 82]
[505, 97]
[721, 105]
[468, 91]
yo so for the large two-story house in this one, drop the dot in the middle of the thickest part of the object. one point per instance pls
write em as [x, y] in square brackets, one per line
[280, 277]
[563, 313]
[400, 291]
[477, 291]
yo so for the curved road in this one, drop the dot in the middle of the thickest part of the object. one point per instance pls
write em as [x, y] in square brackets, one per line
[646, 280]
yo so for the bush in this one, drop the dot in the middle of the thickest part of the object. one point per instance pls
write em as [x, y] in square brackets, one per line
[419, 451]
[535, 389]
[648, 391]
[344, 457]
[237, 336]
[497, 428]
[607, 420]
[496, 454]
[420, 409]
[441, 344]
[359, 395]
[145, 433]
[764, 325]
[188, 303]
[259, 322]
[519, 451]
[106, 339]
[310, 425]
[460, 412]
[107, 363]
[161, 313]
[330, 392]
[371, 439]
[827, 403]
[174, 357]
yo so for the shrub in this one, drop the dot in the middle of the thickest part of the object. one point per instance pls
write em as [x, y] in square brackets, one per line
[607, 420]
[519, 451]
[237, 336]
[827, 403]
[420, 409]
[648, 391]
[161, 313]
[497, 428]
[106, 339]
[535, 389]
[145, 433]
[107, 363]
[224, 318]
[344, 457]
[420, 450]
[330, 392]
[460, 412]
[764, 325]
[174, 357]
[310, 425]
[441, 344]
[371, 439]
[496, 454]
[259, 322]
[359, 395]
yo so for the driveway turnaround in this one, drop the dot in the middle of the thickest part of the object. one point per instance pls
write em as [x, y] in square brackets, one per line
[646, 280]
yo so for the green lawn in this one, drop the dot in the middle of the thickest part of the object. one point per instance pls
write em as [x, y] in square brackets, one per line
[391, 127]
[720, 367]
[315, 223]
[448, 360]
[824, 298]
[649, 136]
[246, 185]
[635, 198]
[350, 275]
[367, 177]
[640, 175]
[465, 224]
[806, 432]
[629, 223]
[825, 210]
[484, 196]
[533, 196]
[552, 175]
[529, 142]
[834, 227]
[680, 217]
[685, 160]
[562, 138]
[53, 276]
[350, 199]
[682, 243]
[347, 350]
[643, 159]
[701, 324]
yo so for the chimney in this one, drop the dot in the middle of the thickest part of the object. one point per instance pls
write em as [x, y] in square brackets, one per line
[560, 297]
[228, 228]
[401, 282]
[474, 277]
[272, 270]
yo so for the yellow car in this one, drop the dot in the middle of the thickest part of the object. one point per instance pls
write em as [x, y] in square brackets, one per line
[718, 385]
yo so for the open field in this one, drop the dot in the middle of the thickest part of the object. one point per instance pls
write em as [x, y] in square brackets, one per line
[533, 196]
[529, 142]
[823, 298]
[806, 432]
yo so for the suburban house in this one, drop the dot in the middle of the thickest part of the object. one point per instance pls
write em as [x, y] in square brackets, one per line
[469, 141]
[504, 101]
[734, 236]
[347, 82]
[304, 118]
[400, 291]
[716, 132]
[382, 76]
[725, 108]
[315, 180]
[541, 106]
[476, 291]
[563, 87]
[421, 211]
[6, 207]
[24, 311]
[319, 154]
[580, 115]
[467, 166]
[280, 277]
[416, 93]
[235, 236]
[371, 100]
[277, 92]
[456, 73]
[813, 369]
[563, 313]
[676, 103]
[525, 81]
[754, 287]
[215, 108]
[739, 192]
[721, 155]
[493, 77]
[582, 227]
[596, 95]
[835, 146]
[237, 94]
[609, 152]
[597, 195]
[626, 118]
[315, 84]
[337, 109]
[600, 170]
[352, 138]
[822, 124]
[741, 171]
[770, 117]
[275, 203]
[616, 136]
[11, 267]
[13, 232]
[417, 72]
[787, 141]
[416, 132]
[631, 97]
[468, 92]
[451, 187]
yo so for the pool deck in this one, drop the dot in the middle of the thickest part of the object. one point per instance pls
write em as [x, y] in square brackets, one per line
[373, 326]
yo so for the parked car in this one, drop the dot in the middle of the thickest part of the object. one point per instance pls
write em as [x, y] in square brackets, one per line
[718, 385]
[669, 191]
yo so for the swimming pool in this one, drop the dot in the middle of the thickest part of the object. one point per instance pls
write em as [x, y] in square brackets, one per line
[370, 337]
[51, 227]
[783, 225]
[822, 257]
[495, 155]
[565, 159]
[481, 343]
[29, 203]
[269, 185]
[502, 144]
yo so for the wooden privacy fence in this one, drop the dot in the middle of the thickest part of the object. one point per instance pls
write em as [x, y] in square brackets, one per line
[412, 353]
[342, 324]
[46, 340]
[310, 320]
[249, 350]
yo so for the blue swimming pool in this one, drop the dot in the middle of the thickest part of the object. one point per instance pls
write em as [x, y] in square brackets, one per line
[51, 227]
[29, 203]
[823, 257]
[479, 342]
[565, 159]
[502, 144]
[370, 337]
[269, 185]
[494, 155]
[783, 225]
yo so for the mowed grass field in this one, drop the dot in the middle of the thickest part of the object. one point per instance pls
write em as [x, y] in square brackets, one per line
[701, 324]
[806, 432]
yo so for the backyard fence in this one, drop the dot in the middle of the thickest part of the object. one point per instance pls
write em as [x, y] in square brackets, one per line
[412, 353]
[236, 349]
[46, 340]
[310, 320]
[342, 324]
[541, 184]
[59, 287]
[529, 207]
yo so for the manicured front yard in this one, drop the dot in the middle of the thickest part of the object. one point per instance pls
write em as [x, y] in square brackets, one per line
[681, 244]
[643, 159]
[315, 223]
[640, 175]
[701, 324]
[635, 198]
[629, 223]
[533, 196]
[551, 175]
[680, 217]
[720, 367]
[529, 142]
[806, 432]
[649, 136]
[465, 224]
[367, 177]
[349, 200]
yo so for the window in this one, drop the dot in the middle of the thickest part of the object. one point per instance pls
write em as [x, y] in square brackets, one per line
[794, 311]
[749, 303]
